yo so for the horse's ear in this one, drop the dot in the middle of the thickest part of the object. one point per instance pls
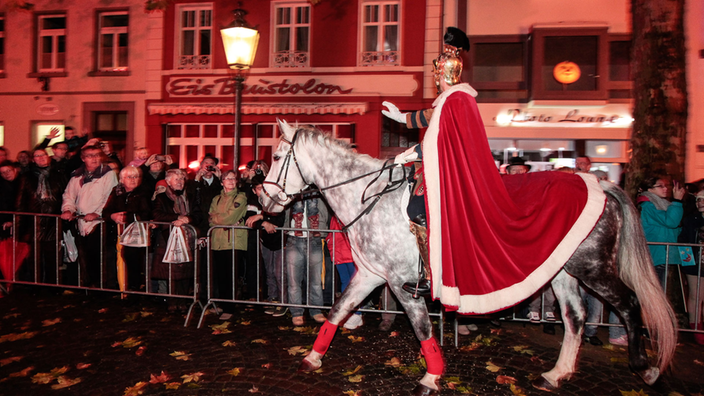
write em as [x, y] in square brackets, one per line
[286, 130]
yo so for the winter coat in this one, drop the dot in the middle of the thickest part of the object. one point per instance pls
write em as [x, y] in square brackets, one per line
[228, 208]
[662, 226]
[135, 203]
[29, 201]
[84, 198]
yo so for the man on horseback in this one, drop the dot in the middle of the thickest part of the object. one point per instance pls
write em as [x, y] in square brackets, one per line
[447, 69]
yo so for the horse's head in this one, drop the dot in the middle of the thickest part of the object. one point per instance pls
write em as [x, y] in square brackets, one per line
[284, 179]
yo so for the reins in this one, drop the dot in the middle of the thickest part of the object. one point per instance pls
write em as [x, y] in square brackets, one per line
[391, 185]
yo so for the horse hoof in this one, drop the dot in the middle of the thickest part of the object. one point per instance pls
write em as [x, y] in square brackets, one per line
[649, 375]
[543, 384]
[307, 367]
[422, 390]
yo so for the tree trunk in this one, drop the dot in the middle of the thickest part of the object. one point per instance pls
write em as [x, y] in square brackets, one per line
[659, 91]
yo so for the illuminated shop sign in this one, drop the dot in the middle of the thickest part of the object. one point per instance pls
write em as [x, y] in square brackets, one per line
[303, 86]
[558, 117]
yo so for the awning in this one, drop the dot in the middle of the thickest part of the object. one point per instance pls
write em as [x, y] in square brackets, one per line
[259, 108]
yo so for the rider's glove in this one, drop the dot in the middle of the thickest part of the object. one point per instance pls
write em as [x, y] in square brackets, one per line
[407, 156]
[393, 112]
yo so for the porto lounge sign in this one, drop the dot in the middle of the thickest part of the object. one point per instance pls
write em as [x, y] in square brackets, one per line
[310, 86]
[553, 117]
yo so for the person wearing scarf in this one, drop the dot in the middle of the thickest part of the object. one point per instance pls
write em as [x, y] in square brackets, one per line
[40, 192]
[661, 220]
[172, 204]
[86, 194]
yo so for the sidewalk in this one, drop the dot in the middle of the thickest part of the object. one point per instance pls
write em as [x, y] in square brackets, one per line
[97, 344]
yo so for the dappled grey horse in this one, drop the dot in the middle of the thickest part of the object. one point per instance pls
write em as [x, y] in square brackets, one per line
[613, 261]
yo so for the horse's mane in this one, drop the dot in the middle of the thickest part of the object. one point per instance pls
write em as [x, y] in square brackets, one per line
[311, 134]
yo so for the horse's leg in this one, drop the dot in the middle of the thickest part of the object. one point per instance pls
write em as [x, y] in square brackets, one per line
[420, 320]
[625, 302]
[566, 288]
[360, 286]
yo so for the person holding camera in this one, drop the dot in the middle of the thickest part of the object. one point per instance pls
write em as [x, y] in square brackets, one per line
[154, 170]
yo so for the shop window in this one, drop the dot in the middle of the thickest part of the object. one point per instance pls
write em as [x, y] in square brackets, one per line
[291, 35]
[2, 44]
[380, 31]
[620, 81]
[113, 41]
[195, 37]
[570, 64]
[497, 68]
[395, 136]
[42, 130]
[51, 35]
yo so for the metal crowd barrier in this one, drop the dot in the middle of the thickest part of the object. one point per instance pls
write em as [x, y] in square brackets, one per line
[384, 307]
[35, 271]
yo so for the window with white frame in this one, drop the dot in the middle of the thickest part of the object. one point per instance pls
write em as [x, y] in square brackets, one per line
[291, 35]
[380, 29]
[2, 43]
[195, 27]
[113, 42]
[52, 43]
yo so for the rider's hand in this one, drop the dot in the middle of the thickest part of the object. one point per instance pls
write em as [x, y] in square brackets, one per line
[393, 112]
[407, 156]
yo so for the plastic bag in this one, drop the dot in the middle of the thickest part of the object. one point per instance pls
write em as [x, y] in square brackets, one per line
[135, 235]
[70, 249]
[177, 250]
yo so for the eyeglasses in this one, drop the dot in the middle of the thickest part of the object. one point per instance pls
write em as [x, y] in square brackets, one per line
[659, 186]
[230, 179]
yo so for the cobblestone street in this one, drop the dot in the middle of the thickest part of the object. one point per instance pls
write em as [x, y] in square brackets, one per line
[97, 344]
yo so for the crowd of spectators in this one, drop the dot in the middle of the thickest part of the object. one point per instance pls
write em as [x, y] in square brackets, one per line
[82, 183]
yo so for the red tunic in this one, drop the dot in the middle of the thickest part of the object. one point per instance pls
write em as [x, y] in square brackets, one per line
[494, 241]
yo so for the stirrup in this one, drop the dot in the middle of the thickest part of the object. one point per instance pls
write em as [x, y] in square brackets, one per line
[420, 288]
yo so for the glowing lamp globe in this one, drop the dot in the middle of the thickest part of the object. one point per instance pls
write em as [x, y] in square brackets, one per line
[240, 42]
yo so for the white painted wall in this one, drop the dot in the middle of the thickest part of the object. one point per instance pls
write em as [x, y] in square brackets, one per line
[20, 95]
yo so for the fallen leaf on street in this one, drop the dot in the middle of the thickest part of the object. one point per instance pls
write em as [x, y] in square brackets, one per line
[193, 377]
[228, 343]
[102, 310]
[22, 373]
[633, 393]
[266, 366]
[65, 382]
[234, 372]
[130, 342]
[51, 322]
[130, 317]
[254, 390]
[505, 379]
[245, 322]
[517, 390]
[145, 313]
[159, 379]
[394, 362]
[523, 349]
[140, 351]
[352, 393]
[180, 355]
[82, 366]
[353, 371]
[137, 389]
[696, 361]
[355, 339]
[7, 361]
[356, 378]
[259, 341]
[172, 385]
[393, 334]
[18, 336]
[492, 367]
[221, 328]
[293, 351]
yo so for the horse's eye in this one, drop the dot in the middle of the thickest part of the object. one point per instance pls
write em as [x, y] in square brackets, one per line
[276, 158]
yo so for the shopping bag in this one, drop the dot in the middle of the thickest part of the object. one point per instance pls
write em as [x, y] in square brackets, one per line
[135, 235]
[70, 249]
[177, 250]
[7, 261]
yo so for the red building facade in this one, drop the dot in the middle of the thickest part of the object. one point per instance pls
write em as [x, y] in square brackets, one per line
[331, 64]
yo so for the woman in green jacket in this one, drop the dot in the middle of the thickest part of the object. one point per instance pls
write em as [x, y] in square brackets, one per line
[228, 245]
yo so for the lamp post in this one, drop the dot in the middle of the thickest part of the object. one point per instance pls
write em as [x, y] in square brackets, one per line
[240, 42]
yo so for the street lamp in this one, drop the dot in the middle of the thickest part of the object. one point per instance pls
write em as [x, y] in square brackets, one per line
[240, 42]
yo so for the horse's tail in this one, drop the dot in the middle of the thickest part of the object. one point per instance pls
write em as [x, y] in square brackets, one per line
[636, 270]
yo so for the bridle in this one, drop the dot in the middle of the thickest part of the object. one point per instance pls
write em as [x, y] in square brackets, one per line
[283, 198]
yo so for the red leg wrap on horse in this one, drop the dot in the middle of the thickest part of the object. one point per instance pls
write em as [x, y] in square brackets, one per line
[433, 356]
[322, 342]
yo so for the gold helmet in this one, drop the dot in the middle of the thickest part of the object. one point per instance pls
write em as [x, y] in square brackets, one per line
[448, 66]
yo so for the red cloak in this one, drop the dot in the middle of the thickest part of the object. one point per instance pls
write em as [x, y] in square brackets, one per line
[495, 240]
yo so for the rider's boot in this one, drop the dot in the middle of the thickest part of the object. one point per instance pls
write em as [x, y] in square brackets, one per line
[314, 224]
[422, 286]
[298, 223]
